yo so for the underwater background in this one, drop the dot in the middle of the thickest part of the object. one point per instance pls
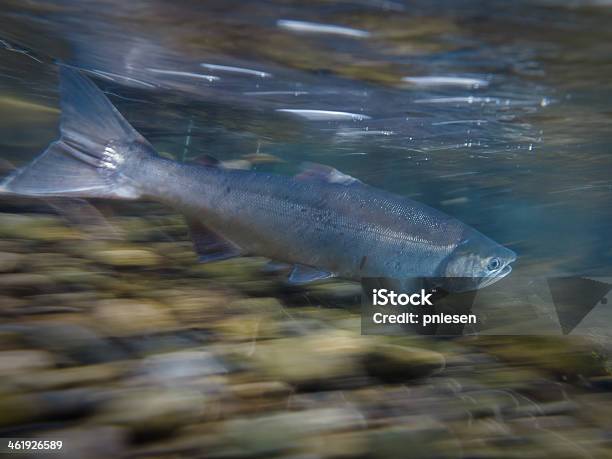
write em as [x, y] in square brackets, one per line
[113, 337]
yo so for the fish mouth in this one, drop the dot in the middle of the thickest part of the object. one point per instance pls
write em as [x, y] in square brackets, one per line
[496, 276]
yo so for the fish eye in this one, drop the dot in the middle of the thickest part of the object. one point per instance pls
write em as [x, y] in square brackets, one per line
[494, 263]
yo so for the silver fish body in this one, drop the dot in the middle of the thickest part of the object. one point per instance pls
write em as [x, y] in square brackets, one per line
[324, 221]
[353, 230]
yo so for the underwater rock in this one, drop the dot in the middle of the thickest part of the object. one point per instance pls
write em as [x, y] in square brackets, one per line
[602, 383]
[342, 445]
[19, 408]
[395, 362]
[70, 403]
[263, 389]
[417, 436]
[75, 343]
[565, 357]
[247, 327]
[152, 411]
[183, 366]
[10, 261]
[19, 361]
[10, 304]
[91, 442]
[268, 306]
[234, 270]
[258, 287]
[196, 307]
[272, 434]
[142, 345]
[336, 292]
[315, 358]
[69, 377]
[16, 409]
[562, 407]
[124, 317]
[25, 282]
[38, 228]
[509, 378]
[123, 258]
[81, 300]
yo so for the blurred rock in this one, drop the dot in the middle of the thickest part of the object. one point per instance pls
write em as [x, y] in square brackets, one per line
[76, 343]
[10, 261]
[23, 408]
[19, 361]
[10, 339]
[261, 389]
[39, 228]
[142, 345]
[259, 287]
[195, 308]
[122, 258]
[70, 403]
[175, 367]
[565, 357]
[17, 409]
[124, 317]
[546, 409]
[25, 282]
[49, 261]
[91, 442]
[82, 300]
[337, 446]
[234, 269]
[10, 304]
[316, 358]
[418, 437]
[336, 292]
[392, 362]
[509, 378]
[247, 327]
[69, 377]
[152, 411]
[268, 306]
[269, 435]
[602, 383]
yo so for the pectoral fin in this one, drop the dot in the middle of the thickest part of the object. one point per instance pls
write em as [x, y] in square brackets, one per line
[304, 274]
[274, 267]
[209, 245]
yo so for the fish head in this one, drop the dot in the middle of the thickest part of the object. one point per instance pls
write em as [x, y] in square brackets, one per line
[475, 263]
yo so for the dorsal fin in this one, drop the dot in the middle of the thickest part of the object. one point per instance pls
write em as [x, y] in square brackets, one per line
[315, 171]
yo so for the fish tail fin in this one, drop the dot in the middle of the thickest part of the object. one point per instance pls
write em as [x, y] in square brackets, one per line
[97, 155]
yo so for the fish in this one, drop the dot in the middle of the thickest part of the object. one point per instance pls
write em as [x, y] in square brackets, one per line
[322, 222]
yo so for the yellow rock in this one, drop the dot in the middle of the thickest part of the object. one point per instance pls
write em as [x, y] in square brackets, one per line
[127, 257]
[124, 317]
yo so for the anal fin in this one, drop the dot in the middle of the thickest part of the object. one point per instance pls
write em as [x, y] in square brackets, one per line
[209, 245]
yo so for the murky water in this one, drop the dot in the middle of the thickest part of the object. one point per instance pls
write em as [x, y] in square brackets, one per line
[497, 113]
[114, 339]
